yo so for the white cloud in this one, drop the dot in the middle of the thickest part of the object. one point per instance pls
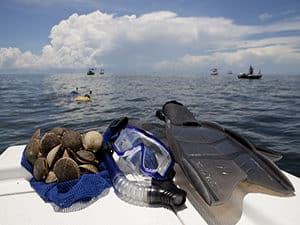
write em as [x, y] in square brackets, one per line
[156, 41]
[12, 58]
[277, 54]
[266, 56]
[265, 16]
[288, 12]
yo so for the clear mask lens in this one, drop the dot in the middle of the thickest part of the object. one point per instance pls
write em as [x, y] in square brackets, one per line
[145, 151]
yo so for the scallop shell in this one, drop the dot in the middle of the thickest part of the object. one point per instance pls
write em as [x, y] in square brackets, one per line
[59, 131]
[33, 148]
[72, 139]
[40, 169]
[85, 156]
[48, 142]
[88, 168]
[66, 169]
[53, 155]
[92, 141]
[51, 177]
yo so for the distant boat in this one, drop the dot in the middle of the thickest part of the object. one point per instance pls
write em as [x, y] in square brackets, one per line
[247, 76]
[214, 72]
[91, 71]
[229, 72]
[102, 71]
[250, 75]
[259, 73]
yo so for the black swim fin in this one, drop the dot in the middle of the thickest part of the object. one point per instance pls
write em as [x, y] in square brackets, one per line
[216, 159]
[160, 132]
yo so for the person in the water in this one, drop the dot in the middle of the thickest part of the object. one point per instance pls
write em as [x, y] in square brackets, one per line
[84, 98]
[74, 93]
[88, 95]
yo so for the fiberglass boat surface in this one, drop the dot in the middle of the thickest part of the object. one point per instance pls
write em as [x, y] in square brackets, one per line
[22, 205]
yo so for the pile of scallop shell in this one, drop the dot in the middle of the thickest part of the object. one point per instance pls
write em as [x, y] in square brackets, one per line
[62, 154]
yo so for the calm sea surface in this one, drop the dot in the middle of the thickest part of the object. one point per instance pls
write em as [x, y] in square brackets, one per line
[267, 111]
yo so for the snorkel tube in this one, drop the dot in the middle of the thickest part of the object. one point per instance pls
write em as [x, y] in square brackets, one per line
[162, 193]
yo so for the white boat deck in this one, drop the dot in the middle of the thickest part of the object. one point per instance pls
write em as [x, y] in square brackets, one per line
[20, 204]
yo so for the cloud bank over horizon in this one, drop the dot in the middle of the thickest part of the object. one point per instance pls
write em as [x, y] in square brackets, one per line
[161, 42]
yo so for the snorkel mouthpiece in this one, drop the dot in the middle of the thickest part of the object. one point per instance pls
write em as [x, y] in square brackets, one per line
[167, 193]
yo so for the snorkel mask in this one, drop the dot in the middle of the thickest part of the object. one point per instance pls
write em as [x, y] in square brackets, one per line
[144, 152]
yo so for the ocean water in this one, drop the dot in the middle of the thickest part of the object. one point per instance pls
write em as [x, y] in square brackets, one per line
[266, 111]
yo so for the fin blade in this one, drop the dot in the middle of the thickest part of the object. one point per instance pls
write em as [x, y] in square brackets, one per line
[215, 185]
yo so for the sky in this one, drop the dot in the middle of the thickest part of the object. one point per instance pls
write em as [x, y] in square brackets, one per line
[150, 36]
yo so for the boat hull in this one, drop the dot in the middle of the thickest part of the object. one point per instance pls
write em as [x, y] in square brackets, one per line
[250, 77]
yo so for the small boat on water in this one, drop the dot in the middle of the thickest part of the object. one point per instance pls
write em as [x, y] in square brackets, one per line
[250, 75]
[247, 76]
[101, 72]
[214, 71]
[91, 71]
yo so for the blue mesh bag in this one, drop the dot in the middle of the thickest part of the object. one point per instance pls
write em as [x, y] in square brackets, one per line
[64, 194]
